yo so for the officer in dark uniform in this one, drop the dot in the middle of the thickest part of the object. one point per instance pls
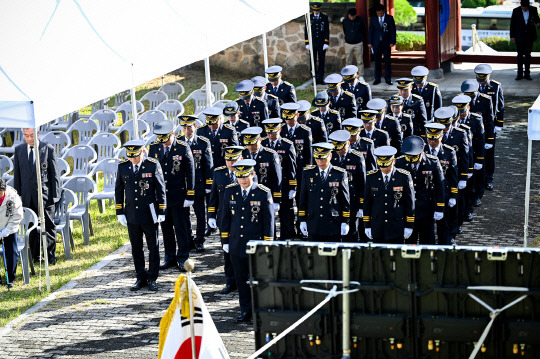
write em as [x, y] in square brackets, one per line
[481, 104]
[360, 89]
[233, 118]
[448, 160]
[272, 101]
[413, 105]
[363, 145]
[316, 125]
[475, 123]
[429, 91]
[457, 138]
[176, 160]
[386, 123]
[320, 38]
[283, 90]
[220, 135]
[324, 209]
[353, 162]
[268, 166]
[224, 176]
[298, 134]
[202, 159]
[252, 109]
[330, 117]
[404, 119]
[493, 89]
[340, 100]
[388, 200]
[287, 157]
[428, 179]
[248, 214]
[140, 205]
[379, 137]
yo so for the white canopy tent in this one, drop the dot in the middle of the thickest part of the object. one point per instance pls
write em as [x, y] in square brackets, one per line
[59, 56]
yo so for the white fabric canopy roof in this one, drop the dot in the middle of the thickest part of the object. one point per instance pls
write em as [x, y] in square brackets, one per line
[59, 56]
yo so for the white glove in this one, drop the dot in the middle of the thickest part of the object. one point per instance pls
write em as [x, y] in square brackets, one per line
[497, 129]
[212, 223]
[122, 219]
[344, 229]
[360, 213]
[307, 47]
[478, 166]
[292, 194]
[160, 218]
[367, 231]
[324, 47]
[462, 184]
[438, 216]
[303, 228]
[407, 233]
[469, 175]
[276, 207]
[188, 203]
[208, 190]
[4, 233]
[226, 248]
[451, 202]
[488, 146]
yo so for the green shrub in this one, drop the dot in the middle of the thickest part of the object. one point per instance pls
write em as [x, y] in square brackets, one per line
[501, 44]
[405, 14]
[406, 41]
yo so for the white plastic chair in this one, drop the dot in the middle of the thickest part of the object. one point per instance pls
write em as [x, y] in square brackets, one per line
[199, 100]
[83, 156]
[83, 187]
[120, 98]
[61, 220]
[149, 140]
[46, 128]
[59, 140]
[106, 119]
[218, 88]
[85, 131]
[221, 103]
[18, 138]
[126, 110]
[173, 90]
[25, 229]
[6, 166]
[152, 117]
[108, 167]
[121, 155]
[171, 109]
[63, 123]
[154, 98]
[105, 144]
[128, 127]
[63, 169]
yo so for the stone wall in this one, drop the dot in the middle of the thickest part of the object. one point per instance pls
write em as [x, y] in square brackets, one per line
[286, 47]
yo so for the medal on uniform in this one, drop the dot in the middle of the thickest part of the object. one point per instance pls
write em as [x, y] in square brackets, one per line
[428, 178]
[403, 128]
[427, 104]
[176, 166]
[144, 186]
[444, 165]
[329, 127]
[263, 172]
[333, 195]
[342, 112]
[410, 111]
[9, 208]
[255, 209]
[398, 193]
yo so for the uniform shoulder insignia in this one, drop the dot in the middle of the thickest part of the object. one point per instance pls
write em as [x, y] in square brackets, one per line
[467, 127]
[183, 143]
[220, 168]
[334, 111]
[338, 169]
[318, 119]
[310, 167]
[229, 126]
[356, 153]
[460, 129]
[484, 95]
[418, 97]
[124, 161]
[268, 149]
[433, 84]
[272, 96]
[392, 118]
[350, 94]
[406, 115]
[373, 171]
[476, 114]
[286, 140]
[495, 81]
[203, 126]
[264, 188]
[364, 83]
[368, 140]
[151, 159]
[431, 156]
[231, 185]
[402, 156]
[288, 83]
[154, 143]
[204, 139]
[448, 147]
[305, 127]
[384, 131]
[405, 172]
[260, 99]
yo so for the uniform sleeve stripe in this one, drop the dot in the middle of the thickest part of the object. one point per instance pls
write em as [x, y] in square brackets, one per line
[277, 194]
[209, 181]
[440, 204]
[268, 238]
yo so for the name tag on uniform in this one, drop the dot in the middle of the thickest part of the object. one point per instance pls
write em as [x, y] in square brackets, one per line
[374, 189]
[351, 168]
[398, 189]
[146, 175]
[426, 172]
[333, 184]
[232, 202]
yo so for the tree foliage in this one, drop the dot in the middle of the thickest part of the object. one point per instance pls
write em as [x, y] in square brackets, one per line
[405, 14]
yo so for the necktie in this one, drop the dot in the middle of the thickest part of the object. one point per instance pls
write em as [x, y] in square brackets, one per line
[405, 102]
[434, 152]
[368, 135]
[275, 90]
[167, 149]
[274, 145]
[136, 169]
[380, 21]
[244, 194]
[323, 176]
[214, 133]
[385, 180]
[291, 132]
[31, 157]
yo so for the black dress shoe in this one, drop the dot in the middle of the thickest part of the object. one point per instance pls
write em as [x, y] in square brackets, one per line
[389, 83]
[376, 82]
[228, 289]
[453, 241]
[138, 285]
[167, 265]
[181, 267]
[478, 202]
[489, 186]
[152, 286]
[519, 78]
[199, 247]
[244, 317]
[469, 217]
[528, 78]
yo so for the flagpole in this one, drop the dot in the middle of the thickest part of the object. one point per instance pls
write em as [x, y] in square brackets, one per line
[189, 265]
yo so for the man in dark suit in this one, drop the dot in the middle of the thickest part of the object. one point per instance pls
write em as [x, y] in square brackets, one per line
[252, 109]
[382, 36]
[25, 183]
[379, 137]
[523, 33]
[283, 90]
[320, 38]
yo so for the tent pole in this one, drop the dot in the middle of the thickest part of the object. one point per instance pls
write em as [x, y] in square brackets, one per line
[208, 82]
[134, 107]
[308, 25]
[527, 194]
[41, 209]
[265, 53]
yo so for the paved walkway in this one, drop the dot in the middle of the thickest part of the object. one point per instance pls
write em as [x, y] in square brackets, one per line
[96, 315]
